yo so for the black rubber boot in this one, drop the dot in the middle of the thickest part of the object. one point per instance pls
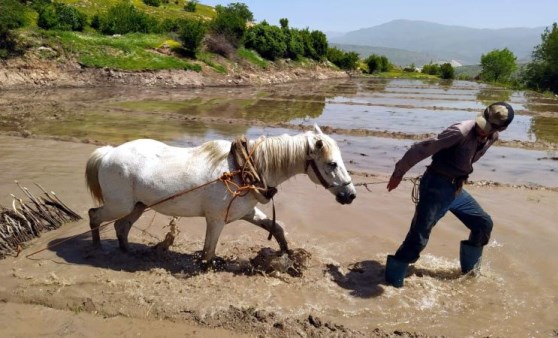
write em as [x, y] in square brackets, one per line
[469, 257]
[395, 271]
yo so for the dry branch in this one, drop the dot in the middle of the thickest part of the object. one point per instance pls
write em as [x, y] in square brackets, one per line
[28, 219]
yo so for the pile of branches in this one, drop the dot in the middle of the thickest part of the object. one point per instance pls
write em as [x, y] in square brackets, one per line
[26, 220]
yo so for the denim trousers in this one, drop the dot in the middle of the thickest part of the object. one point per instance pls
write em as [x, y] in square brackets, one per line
[437, 195]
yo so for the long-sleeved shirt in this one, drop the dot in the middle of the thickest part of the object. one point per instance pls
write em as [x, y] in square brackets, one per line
[453, 151]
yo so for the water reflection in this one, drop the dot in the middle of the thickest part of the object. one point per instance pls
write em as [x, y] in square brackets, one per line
[489, 95]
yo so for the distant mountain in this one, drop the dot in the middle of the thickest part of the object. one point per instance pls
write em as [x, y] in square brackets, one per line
[396, 56]
[463, 44]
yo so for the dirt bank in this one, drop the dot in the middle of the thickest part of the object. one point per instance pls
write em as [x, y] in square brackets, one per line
[32, 71]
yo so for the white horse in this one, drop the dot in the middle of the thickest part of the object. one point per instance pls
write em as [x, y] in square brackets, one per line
[139, 174]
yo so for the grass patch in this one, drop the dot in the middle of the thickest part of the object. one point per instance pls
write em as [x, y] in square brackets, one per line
[252, 57]
[405, 75]
[207, 58]
[127, 52]
[172, 10]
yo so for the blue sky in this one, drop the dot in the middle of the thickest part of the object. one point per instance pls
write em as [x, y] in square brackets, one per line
[348, 15]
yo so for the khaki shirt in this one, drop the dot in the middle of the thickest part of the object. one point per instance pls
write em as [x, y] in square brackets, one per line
[453, 151]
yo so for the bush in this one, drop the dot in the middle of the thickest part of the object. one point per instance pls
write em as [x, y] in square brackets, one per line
[12, 16]
[498, 65]
[219, 44]
[62, 17]
[343, 60]
[268, 41]
[431, 69]
[231, 21]
[295, 43]
[377, 63]
[447, 71]
[126, 18]
[153, 3]
[542, 73]
[191, 33]
[191, 6]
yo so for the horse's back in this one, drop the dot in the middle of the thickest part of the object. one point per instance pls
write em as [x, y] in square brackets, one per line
[151, 170]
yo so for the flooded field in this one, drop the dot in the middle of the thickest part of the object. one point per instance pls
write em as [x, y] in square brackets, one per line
[68, 289]
[374, 120]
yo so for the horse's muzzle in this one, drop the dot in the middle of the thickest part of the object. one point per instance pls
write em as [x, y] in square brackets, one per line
[345, 198]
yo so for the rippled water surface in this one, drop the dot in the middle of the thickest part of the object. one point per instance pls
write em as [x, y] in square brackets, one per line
[404, 107]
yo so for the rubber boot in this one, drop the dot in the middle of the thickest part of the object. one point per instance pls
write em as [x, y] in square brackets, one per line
[395, 271]
[469, 256]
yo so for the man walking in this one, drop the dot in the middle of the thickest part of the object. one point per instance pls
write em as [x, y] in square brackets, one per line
[441, 188]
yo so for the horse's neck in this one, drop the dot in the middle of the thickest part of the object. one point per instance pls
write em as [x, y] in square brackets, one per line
[280, 158]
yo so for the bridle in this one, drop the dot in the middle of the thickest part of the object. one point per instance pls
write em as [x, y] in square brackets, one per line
[310, 162]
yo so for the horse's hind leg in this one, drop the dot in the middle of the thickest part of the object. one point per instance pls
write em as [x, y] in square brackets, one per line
[94, 223]
[257, 217]
[124, 224]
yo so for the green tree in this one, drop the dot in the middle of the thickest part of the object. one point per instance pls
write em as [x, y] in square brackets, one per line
[343, 60]
[268, 41]
[542, 72]
[498, 65]
[191, 6]
[191, 33]
[319, 43]
[62, 17]
[447, 71]
[231, 22]
[125, 18]
[12, 16]
[431, 69]
[295, 43]
[377, 63]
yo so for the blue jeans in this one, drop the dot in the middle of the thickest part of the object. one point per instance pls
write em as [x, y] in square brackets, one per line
[437, 195]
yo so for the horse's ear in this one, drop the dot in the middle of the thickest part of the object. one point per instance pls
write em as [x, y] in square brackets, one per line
[319, 144]
[317, 129]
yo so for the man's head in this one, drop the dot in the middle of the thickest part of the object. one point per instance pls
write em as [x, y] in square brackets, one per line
[495, 117]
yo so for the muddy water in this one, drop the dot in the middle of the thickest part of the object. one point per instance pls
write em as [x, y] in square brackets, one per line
[406, 107]
[115, 294]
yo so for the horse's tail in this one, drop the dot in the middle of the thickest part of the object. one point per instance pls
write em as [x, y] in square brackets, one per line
[92, 173]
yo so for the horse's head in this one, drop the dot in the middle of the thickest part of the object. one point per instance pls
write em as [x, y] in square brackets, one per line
[325, 166]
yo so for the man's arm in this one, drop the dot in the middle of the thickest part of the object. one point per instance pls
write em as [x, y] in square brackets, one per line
[421, 150]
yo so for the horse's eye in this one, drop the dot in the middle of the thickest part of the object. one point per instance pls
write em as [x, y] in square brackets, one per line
[332, 165]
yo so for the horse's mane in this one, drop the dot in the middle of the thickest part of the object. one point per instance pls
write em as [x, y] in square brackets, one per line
[272, 155]
[279, 154]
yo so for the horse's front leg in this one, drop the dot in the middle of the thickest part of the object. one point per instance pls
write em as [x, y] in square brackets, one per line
[257, 217]
[212, 233]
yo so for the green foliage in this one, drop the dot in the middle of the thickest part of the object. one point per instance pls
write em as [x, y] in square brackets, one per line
[343, 60]
[315, 44]
[432, 69]
[319, 43]
[191, 33]
[498, 65]
[153, 3]
[295, 43]
[126, 52]
[284, 22]
[268, 41]
[191, 6]
[12, 16]
[378, 63]
[252, 57]
[447, 71]
[126, 18]
[61, 17]
[231, 21]
[542, 73]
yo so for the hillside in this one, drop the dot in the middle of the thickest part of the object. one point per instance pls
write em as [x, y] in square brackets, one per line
[396, 56]
[463, 44]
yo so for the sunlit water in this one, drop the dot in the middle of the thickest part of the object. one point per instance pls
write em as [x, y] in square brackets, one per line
[515, 296]
[192, 116]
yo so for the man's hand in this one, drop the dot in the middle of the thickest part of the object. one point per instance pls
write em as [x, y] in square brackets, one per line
[393, 183]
